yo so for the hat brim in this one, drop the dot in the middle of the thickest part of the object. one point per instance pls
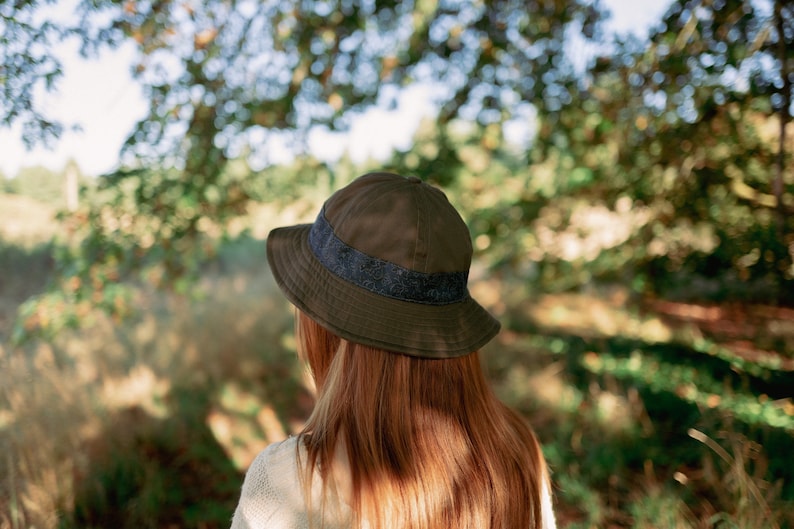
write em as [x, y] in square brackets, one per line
[361, 316]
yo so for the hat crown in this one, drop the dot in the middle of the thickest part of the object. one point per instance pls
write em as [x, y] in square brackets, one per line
[402, 221]
[385, 264]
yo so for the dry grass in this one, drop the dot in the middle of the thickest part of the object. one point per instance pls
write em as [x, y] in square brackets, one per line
[734, 472]
[66, 405]
[218, 362]
[25, 221]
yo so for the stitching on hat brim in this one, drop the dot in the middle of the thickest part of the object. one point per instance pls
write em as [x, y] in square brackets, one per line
[361, 316]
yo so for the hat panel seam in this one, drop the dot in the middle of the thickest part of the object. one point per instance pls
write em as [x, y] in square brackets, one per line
[353, 206]
[365, 202]
[421, 225]
[359, 206]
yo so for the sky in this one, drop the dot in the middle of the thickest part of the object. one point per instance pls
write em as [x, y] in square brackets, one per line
[100, 96]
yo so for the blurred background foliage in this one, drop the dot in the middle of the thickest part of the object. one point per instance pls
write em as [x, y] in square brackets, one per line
[637, 240]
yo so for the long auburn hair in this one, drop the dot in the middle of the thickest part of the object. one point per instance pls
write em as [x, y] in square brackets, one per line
[430, 446]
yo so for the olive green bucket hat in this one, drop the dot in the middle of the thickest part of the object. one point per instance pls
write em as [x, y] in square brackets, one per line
[385, 264]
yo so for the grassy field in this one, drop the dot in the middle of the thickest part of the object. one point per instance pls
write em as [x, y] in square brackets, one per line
[653, 414]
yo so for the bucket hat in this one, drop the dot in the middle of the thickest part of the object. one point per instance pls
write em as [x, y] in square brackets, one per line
[385, 264]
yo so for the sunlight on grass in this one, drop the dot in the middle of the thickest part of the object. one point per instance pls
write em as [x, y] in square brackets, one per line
[26, 221]
[78, 414]
[545, 388]
[693, 386]
[606, 384]
[243, 424]
[141, 387]
[45, 416]
[594, 314]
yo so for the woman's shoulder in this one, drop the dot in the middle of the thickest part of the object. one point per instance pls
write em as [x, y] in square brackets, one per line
[277, 459]
[274, 472]
[272, 489]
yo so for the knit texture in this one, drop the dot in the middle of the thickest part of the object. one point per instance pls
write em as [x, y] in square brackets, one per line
[272, 496]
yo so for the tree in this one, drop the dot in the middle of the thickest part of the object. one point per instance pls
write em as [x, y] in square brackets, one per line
[221, 77]
[26, 66]
[685, 130]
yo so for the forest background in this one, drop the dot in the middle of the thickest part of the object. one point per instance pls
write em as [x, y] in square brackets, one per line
[637, 244]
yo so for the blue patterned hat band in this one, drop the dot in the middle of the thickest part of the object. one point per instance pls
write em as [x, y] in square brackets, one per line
[382, 277]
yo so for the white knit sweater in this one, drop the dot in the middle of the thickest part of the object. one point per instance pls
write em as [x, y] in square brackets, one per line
[272, 497]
